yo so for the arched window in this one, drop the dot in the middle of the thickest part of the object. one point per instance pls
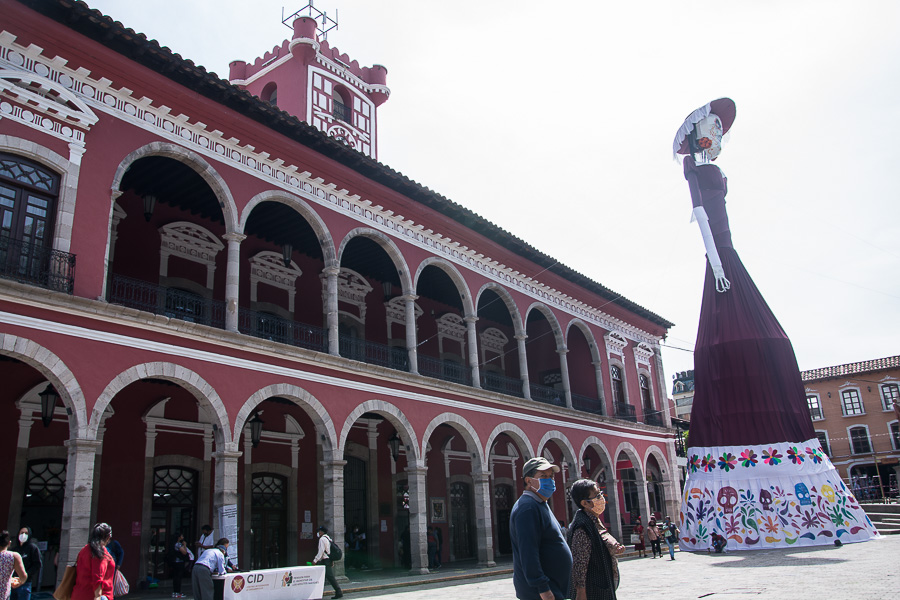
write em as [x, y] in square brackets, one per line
[342, 110]
[618, 387]
[270, 93]
[646, 398]
[859, 440]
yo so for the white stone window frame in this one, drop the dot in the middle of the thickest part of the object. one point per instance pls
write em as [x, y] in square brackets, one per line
[895, 443]
[850, 428]
[268, 268]
[887, 382]
[493, 340]
[827, 449]
[352, 288]
[191, 242]
[848, 387]
[615, 345]
[645, 372]
[451, 327]
[395, 310]
[812, 394]
[621, 365]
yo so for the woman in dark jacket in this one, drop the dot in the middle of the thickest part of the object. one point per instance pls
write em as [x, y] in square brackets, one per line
[31, 559]
[595, 570]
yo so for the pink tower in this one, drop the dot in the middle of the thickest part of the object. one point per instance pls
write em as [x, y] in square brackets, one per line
[316, 83]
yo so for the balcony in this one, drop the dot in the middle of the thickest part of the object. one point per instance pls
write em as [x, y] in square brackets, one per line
[586, 404]
[37, 265]
[653, 417]
[275, 329]
[342, 112]
[374, 353]
[443, 369]
[171, 302]
[547, 395]
[495, 382]
[625, 412]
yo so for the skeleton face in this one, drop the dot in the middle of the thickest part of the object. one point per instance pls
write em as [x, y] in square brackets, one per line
[765, 498]
[709, 136]
[828, 492]
[728, 498]
[802, 494]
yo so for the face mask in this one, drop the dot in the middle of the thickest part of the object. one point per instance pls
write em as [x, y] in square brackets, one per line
[548, 486]
[709, 136]
[23, 537]
[598, 505]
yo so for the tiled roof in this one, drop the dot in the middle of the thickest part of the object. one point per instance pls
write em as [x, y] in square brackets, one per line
[878, 364]
[79, 17]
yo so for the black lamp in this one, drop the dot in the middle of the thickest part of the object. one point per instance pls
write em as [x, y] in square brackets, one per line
[149, 205]
[587, 465]
[386, 287]
[286, 250]
[49, 398]
[255, 429]
[394, 443]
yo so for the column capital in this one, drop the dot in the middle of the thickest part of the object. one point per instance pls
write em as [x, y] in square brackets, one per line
[82, 445]
[521, 336]
[598, 364]
[333, 463]
[234, 237]
[332, 271]
[410, 297]
[562, 350]
[481, 477]
[417, 470]
[470, 319]
[227, 455]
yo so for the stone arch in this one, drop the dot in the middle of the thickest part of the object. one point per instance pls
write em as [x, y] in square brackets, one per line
[193, 160]
[68, 185]
[551, 318]
[455, 276]
[326, 242]
[511, 306]
[391, 413]
[205, 394]
[464, 428]
[306, 401]
[55, 370]
[631, 452]
[518, 436]
[660, 457]
[389, 246]
[588, 335]
[600, 448]
[565, 445]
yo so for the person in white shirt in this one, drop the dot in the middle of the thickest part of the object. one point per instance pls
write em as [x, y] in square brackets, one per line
[323, 557]
[211, 561]
[206, 540]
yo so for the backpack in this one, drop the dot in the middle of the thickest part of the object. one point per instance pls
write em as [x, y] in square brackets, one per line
[671, 533]
[334, 551]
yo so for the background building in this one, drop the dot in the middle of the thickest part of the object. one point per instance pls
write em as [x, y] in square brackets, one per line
[683, 393]
[267, 322]
[855, 409]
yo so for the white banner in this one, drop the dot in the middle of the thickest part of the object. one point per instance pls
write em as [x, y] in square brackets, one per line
[294, 583]
[228, 528]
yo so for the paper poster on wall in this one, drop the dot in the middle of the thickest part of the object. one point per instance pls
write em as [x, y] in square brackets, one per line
[306, 531]
[135, 528]
[384, 526]
[228, 527]
[307, 516]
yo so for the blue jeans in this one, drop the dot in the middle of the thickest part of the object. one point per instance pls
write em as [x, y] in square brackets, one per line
[671, 546]
[23, 592]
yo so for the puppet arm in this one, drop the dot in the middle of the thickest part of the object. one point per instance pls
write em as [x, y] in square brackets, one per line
[722, 284]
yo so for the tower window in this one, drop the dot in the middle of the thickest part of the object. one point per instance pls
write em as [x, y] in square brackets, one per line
[270, 93]
[341, 110]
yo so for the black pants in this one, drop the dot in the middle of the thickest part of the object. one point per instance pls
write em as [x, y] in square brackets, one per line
[177, 574]
[657, 550]
[329, 577]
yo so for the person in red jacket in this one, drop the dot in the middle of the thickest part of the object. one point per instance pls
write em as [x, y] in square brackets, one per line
[96, 569]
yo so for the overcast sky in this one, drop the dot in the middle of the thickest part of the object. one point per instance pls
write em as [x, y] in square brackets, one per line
[555, 121]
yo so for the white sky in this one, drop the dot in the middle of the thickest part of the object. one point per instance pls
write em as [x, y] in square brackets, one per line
[555, 120]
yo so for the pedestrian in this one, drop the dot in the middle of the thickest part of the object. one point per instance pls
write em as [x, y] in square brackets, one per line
[179, 558]
[542, 561]
[95, 573]
[440, 539]
[671, 534]
[718, 542]
[9, 562]
[431, 538]
[356, 548]
[31, 560]
[324, 556]
[117, 552]
[653, 536]
[211, 561]
[595, 568]
[639, 544]
[206, 540]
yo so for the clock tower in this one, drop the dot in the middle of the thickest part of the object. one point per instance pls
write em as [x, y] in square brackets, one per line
[313, 81]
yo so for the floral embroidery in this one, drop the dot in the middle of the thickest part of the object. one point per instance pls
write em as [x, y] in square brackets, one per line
[709, 463]
[748, 458]
[795, 455]
[771, 457]
[727, 462]
[814, 455]
[695, 463]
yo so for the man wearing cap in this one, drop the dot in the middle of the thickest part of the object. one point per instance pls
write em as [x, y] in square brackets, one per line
[542, 561]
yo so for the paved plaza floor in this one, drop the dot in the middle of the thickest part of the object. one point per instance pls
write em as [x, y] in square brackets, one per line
[866, 571]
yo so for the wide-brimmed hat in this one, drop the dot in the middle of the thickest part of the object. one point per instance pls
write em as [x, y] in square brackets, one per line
[538, 463]
[724, 108]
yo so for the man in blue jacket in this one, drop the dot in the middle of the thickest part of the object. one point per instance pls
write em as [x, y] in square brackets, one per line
[542, 561]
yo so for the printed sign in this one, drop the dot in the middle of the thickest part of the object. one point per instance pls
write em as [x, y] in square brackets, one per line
[296, 583]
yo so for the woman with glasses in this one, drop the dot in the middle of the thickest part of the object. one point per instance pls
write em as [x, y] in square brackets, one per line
[595, 569]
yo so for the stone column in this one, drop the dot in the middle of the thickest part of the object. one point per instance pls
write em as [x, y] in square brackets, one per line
[333, 501]
[564, 370]
[418, 518]
[661, 384]
[331, 309]
[598, 375]
[76, 518]
[472, 336]
[523, 366]
[484, 531]
[373, 558]
[226, 490]
[643, 500]
[17, 484]
[232, 279]
[614, 508]
[411, 343]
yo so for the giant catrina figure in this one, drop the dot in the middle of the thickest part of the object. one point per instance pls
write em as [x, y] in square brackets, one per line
[756, 471]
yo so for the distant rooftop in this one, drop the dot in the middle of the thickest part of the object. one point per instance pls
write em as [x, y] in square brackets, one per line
[878, 364]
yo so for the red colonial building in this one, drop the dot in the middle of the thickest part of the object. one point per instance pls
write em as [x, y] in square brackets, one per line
[214, 299]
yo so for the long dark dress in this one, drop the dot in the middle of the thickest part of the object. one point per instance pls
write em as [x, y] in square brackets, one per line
[756, 471]
[747, 386]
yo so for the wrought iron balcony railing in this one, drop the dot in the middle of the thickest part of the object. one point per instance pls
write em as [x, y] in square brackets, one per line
[625, 412]
[443, 369]
[276, 329]
[342, 112]
[547, 395]
[374, 353]
[501, 383]
[172, 302]
[586, 404]
[653, 417]
[36, 265]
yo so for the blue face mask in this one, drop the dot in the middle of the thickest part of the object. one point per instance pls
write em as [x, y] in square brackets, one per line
[548, 486]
